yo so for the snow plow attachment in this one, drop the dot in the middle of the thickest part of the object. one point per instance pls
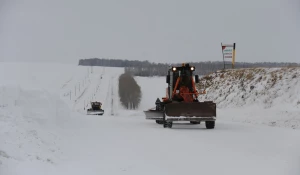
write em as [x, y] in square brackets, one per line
[153, 114]
[184, 111]
[191, 109]
[95, 112]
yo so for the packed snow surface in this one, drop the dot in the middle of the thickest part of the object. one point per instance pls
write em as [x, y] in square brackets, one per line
[45, 130]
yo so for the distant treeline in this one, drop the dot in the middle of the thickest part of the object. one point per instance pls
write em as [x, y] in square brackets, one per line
[145, 68]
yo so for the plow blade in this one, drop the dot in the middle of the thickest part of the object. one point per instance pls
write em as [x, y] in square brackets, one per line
[153, 114]
[95, 112]
[191, 109]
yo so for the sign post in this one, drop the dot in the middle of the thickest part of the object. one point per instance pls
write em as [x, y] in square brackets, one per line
[228, 51]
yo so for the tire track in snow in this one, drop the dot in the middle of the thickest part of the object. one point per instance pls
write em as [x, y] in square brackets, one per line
[66, 83]
[107, 101]
[78, 100]
[115, 95]
[112, 97]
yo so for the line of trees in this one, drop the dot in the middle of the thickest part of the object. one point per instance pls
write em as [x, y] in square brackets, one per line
[145, 68]
[129, 91]
[112, 62]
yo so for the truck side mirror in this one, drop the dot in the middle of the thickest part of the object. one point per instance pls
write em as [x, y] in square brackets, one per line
[196, 78]
[168, 79]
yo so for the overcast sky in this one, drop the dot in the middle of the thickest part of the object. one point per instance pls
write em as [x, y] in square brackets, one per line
[154, 30]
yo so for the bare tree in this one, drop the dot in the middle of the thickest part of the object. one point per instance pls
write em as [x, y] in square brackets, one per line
[129, 91]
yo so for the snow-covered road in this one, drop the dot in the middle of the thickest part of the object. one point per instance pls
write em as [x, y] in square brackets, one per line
[132, 145]
[40, 135]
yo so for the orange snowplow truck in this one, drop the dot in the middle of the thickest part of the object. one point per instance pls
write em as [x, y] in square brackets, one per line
[181, 102]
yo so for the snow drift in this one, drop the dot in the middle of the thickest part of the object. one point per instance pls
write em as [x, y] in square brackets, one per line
[32, 116]
[31, 121]
[258, 95]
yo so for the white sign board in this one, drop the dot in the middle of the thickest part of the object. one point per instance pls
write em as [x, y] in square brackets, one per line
[228, 51]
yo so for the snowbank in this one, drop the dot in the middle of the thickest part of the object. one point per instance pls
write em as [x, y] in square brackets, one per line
[258, 95]
[32, 116]
[31, 122]
[39, 105]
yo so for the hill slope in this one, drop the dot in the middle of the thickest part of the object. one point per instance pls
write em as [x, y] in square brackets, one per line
[260, 95]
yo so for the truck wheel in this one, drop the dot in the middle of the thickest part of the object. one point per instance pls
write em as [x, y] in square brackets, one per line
[165, 125]
[159, 121]
[210, 124]
[194, 122]
[168, 124]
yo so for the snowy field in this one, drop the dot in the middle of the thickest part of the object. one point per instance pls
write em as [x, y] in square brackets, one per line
[44, 130]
